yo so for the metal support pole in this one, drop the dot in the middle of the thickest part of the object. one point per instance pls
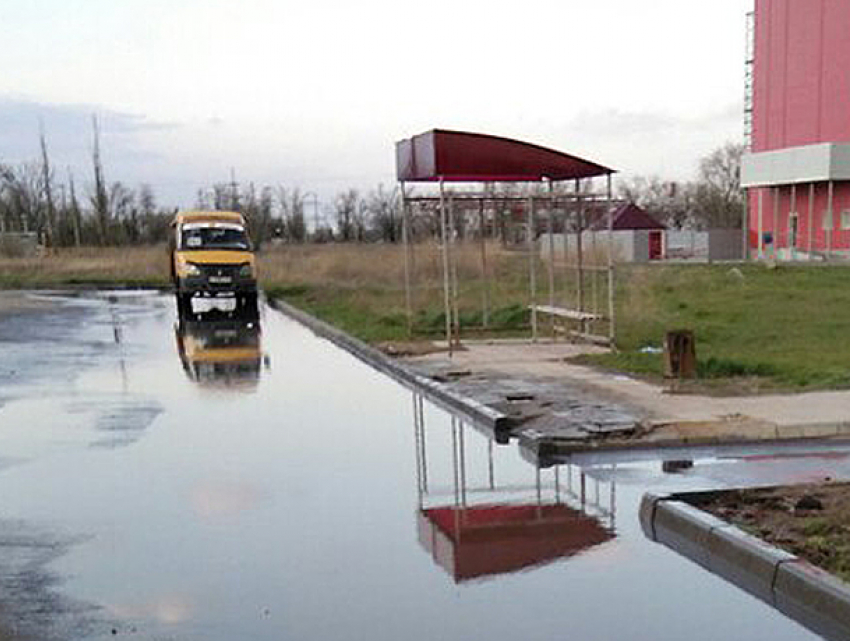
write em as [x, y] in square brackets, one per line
[482, 223]
[558, 484]
[761, 223]
[453, 259]
[612, 320]
[583, 490]
[447, 308]
[418, 445]
[455, 469]
[539, 486]
[595, 276]
[579, 250]
[550, 223]
[745, 225]
[491, 470]
[455, 463]
[792, 210]
[532, 268]
[424, 448]
[405, 235]
[612, 503]
[811, 218]
[462, 445]
[776, 196]
[566, 262]
[831, 197]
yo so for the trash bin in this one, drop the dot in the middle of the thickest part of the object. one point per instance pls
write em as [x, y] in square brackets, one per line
[680, 359]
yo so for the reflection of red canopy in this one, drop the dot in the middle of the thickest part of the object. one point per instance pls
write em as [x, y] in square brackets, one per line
[496, 539]
[457, 156]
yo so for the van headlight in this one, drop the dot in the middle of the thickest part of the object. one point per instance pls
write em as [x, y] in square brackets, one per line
[190, 269]
[246, 271]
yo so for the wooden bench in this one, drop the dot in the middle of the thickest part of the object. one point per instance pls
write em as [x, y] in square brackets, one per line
[561, 312]
[579, 317]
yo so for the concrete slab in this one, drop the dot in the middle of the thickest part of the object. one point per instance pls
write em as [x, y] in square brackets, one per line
[573, 404]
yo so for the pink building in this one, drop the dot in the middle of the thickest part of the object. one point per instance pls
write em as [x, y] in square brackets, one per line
[798, 174]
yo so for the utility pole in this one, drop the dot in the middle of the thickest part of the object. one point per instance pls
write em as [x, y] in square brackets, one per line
[234, 191]
[315, 210]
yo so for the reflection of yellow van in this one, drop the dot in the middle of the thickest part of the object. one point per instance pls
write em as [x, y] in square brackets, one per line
[220, 352]
[212, 264]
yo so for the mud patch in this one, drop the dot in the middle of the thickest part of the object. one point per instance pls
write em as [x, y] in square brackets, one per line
[811, 521]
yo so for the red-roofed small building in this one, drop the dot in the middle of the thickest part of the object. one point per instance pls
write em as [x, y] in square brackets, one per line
[638, 236]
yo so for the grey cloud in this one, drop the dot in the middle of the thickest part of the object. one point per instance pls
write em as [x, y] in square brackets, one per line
[68, 130]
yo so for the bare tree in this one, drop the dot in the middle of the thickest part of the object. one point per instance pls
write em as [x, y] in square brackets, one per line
[24, 196]
[668, 200]
[719, 199]
[346, 208]
[291, 202]
[382, 206]
[47, 184]
[75, 212]
[99, 198]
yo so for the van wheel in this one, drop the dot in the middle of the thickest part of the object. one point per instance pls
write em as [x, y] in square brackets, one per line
[249, 306]
[184, 306]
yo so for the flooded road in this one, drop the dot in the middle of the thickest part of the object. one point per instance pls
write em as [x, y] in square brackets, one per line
[160, 480]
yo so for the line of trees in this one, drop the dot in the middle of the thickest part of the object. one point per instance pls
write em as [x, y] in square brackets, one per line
[714, 200]
[34, 198]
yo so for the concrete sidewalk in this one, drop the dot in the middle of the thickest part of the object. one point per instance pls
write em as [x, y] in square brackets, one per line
[485, 370]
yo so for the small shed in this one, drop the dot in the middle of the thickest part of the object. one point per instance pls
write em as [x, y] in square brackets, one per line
[638, 236]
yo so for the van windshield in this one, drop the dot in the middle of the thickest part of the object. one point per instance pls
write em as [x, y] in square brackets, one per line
[218, 237]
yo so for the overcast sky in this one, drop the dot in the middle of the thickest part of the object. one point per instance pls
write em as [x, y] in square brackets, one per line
[314, 93]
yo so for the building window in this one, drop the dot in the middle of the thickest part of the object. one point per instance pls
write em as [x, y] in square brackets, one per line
[826, 220]
[845, 219]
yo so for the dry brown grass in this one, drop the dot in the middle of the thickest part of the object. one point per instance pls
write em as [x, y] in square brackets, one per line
[132, 265]
[374, 265]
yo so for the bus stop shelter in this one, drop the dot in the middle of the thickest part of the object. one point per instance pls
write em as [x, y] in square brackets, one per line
[441, 156]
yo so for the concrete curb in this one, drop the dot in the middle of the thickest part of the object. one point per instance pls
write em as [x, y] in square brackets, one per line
[554, 447]
[805, 593]
[470, 409]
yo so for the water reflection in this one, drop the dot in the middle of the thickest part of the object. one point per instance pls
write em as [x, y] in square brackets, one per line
[474, 531]
[221, 352]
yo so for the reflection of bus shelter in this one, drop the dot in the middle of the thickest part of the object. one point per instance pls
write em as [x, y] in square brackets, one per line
[500, 539]
[474, 530]
[440, 156]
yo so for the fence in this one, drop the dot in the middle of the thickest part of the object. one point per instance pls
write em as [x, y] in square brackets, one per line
[18, 244]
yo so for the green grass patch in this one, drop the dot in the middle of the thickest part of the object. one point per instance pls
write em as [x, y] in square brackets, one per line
[787, 325]
[374, 314]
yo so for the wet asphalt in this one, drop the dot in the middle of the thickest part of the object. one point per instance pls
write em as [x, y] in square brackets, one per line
[247, 480]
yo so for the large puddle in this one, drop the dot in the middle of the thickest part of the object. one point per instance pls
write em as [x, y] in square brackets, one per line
[246, 480]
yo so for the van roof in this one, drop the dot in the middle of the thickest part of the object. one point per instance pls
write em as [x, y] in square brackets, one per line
[212, 216]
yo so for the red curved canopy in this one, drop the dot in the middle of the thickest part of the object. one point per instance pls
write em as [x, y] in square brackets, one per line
[459, 156]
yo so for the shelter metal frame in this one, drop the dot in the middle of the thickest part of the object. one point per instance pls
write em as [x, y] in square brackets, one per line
[586, 307]
[441, 157]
